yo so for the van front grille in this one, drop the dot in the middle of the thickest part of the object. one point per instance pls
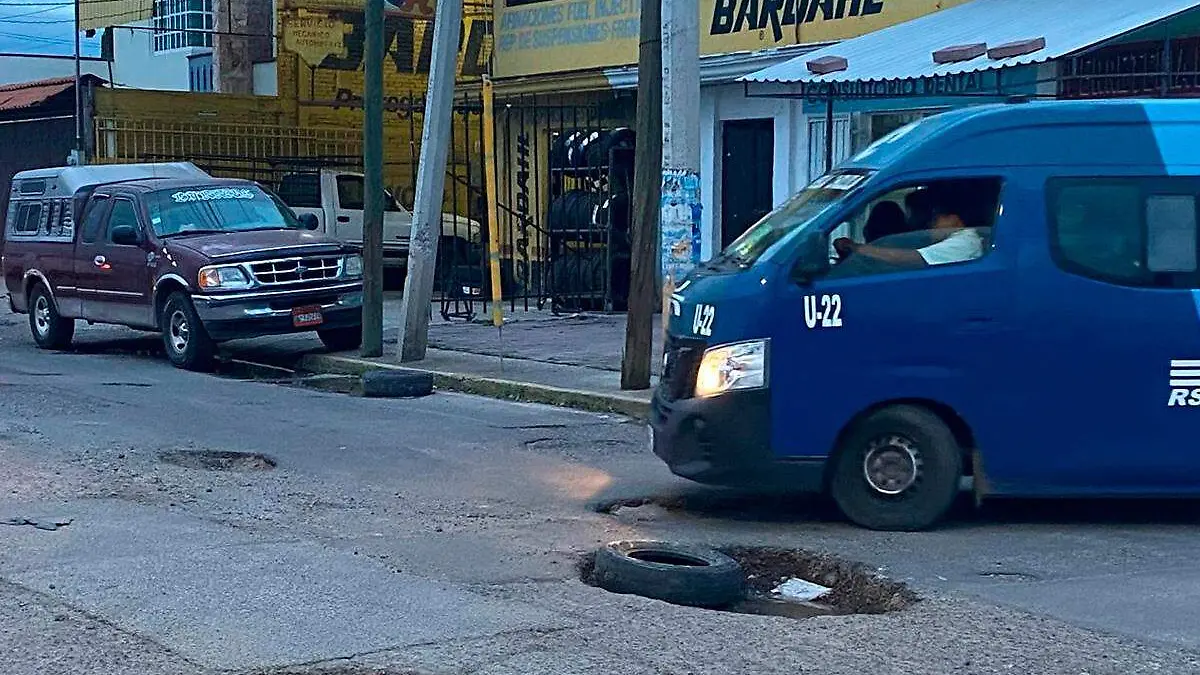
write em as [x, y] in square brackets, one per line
[296, 270]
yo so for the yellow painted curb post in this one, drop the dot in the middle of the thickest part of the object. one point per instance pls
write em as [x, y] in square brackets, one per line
[489, 168]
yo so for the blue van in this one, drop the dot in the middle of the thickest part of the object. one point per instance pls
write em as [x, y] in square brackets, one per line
[1008, 292]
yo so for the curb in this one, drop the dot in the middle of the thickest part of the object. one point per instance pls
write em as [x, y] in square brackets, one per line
[510, 390]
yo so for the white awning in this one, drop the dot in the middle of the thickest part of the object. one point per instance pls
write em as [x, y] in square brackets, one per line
[906, 51]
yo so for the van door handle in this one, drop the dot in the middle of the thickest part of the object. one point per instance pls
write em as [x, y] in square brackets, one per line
[343, 219]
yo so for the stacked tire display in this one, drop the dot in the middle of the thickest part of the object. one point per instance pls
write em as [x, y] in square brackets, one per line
[588, 220]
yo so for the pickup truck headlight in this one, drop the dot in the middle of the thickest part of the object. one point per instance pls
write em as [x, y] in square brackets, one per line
[352, 266]
[225, 277]
[742, 365]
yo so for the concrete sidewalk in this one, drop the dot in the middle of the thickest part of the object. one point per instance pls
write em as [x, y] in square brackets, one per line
[570, 360]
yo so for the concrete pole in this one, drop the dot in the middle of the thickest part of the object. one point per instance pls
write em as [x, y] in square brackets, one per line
[372, 311]
[647, 171]
[233, 67]
[431, 181]
[681, 139]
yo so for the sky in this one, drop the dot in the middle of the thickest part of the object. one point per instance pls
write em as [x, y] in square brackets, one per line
[41, 27]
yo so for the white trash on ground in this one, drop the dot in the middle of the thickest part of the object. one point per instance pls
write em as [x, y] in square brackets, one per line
[799, 590]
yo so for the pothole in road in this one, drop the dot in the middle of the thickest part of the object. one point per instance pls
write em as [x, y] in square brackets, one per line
[338, 670]
[852, 587]
[218, 460]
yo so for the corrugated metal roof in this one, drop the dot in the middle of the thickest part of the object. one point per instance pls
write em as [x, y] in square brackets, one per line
[905, 51]
[30, 94]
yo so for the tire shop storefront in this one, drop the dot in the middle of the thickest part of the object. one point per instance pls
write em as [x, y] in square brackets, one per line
[566, 80]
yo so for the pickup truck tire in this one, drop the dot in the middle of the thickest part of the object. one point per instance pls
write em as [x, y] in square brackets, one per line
[341, 339]
[50, 330]
[680, 574]
[396, 383]
[187, 344]
[898, 469]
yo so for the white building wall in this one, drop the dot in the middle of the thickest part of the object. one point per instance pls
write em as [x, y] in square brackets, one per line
[136, 65]
[720, 103]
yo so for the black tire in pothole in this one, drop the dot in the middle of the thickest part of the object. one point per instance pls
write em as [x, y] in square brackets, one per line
[396, 383]
[680, 574]
[897, 470]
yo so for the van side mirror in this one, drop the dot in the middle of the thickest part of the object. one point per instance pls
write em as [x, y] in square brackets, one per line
[813, 262]
[126, 235]
[309, 221]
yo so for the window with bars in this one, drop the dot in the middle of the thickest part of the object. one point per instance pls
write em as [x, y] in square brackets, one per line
[182, 23]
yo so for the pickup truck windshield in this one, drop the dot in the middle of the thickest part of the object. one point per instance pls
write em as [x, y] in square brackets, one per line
[795, 214]
[237, 208]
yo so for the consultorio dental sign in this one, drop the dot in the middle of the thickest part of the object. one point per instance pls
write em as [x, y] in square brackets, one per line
[549, 36]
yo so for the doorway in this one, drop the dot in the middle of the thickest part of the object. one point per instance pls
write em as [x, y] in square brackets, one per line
[747, 175]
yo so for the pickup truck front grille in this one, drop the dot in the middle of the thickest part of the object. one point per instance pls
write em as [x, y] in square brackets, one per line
[296, 270]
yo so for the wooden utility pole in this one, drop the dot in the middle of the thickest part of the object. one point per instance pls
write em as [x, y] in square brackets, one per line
[372, 309]
[647, 177]
[431, 181]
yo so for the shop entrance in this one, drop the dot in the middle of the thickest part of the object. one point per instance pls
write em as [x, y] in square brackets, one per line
[747, 175]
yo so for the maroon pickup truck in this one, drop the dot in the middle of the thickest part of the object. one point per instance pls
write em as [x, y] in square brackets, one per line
[170, 249]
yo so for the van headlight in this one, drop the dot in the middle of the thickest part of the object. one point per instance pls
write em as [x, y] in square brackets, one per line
[222, 278]
[352, 266]
[742, 365]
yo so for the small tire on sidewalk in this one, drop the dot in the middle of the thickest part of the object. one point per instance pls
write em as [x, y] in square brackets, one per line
[679, 574]
[396, 384]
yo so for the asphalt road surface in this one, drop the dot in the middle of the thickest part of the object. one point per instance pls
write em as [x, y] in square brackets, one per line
[442, 535]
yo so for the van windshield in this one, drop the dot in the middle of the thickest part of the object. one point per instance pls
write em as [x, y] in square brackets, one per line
[795, 214]
[237, 208]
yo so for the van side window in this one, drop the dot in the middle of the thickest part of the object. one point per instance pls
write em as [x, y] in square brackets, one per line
[1127, 231]
[93, 219]
[917, 226]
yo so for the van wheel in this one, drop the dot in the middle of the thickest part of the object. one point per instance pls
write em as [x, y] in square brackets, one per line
[188, 345]
[50, 330]
[341, 339]
[898, 469]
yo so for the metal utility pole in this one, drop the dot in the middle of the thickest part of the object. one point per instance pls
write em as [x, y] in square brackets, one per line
[431, 181]
[372, 344]
[647, 175]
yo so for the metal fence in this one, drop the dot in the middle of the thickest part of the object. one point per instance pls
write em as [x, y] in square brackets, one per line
[564, 174]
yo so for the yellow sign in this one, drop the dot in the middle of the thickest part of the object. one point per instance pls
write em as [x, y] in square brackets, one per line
[547, 36]
[315, 37]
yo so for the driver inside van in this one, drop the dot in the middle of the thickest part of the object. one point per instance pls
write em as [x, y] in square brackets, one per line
[955, 243]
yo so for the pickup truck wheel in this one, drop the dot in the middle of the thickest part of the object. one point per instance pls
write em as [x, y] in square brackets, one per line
[188, 345]
[50, 330]
[341, 339]
[897, 469]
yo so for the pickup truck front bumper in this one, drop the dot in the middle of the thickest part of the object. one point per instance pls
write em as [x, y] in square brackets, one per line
[249, 314]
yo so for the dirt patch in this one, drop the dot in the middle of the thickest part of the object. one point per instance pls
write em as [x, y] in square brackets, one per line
[218, 460]
[854, 588]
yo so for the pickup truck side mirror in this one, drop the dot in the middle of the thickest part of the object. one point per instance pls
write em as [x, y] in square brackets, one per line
[126, 235]
[309, 221]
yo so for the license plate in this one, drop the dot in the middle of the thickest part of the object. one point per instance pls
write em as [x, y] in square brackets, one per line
[307, 316]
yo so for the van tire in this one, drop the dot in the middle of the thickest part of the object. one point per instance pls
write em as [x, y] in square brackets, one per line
[50, 330]
[187, 344]
[341, 339]
[898, 469]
